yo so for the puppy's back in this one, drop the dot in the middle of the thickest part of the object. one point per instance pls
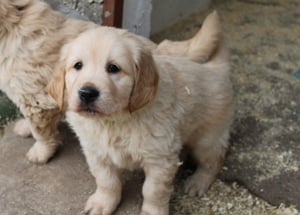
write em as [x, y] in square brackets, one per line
[202, 91]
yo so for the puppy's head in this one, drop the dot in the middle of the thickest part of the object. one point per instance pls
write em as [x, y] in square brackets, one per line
[104, 71]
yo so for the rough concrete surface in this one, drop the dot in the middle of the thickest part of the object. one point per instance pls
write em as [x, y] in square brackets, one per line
[263, 36]
[80, 9]
[60, 187]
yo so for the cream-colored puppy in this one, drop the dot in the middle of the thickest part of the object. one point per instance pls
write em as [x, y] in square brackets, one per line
[31, 36]
[134, 109]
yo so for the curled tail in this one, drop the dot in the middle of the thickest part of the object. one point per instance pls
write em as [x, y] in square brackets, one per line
[202, 47]
[206, 42]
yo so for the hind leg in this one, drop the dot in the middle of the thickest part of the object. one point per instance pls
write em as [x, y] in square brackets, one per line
[209, 153]
[22, 128]
[43, 126]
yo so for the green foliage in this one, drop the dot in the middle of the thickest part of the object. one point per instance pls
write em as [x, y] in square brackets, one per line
[8, 111]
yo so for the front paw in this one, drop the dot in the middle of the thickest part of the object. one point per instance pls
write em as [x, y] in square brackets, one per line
[100, 204]
[41, 153]
[150, 209]
[198, 183]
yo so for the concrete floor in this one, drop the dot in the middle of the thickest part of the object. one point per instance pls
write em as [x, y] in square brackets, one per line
[261, 173]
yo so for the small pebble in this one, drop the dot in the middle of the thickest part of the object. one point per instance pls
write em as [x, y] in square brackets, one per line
[229, 205]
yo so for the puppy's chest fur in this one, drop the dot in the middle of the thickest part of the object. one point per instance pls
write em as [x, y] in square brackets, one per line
[125, 144]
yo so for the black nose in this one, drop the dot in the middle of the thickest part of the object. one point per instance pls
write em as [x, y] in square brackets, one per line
[88, 94]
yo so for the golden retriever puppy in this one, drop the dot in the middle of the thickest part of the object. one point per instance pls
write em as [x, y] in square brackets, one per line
[31, 36]
[134, 109]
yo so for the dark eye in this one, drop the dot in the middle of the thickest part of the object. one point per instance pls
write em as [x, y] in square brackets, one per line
[78, 65]
[112, 68]
[20, 8]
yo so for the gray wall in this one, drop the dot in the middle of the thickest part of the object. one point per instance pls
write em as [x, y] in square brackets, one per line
[168, 12]
[137, 16]
[145, 17]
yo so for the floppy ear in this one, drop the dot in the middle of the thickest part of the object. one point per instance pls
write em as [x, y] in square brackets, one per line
[145, 81]
[56, 86]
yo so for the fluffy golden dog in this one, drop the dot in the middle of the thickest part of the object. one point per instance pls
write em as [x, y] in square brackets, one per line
[135, 109]
[31, 36]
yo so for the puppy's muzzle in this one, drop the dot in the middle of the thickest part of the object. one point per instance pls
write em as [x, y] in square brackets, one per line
[88, 95]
